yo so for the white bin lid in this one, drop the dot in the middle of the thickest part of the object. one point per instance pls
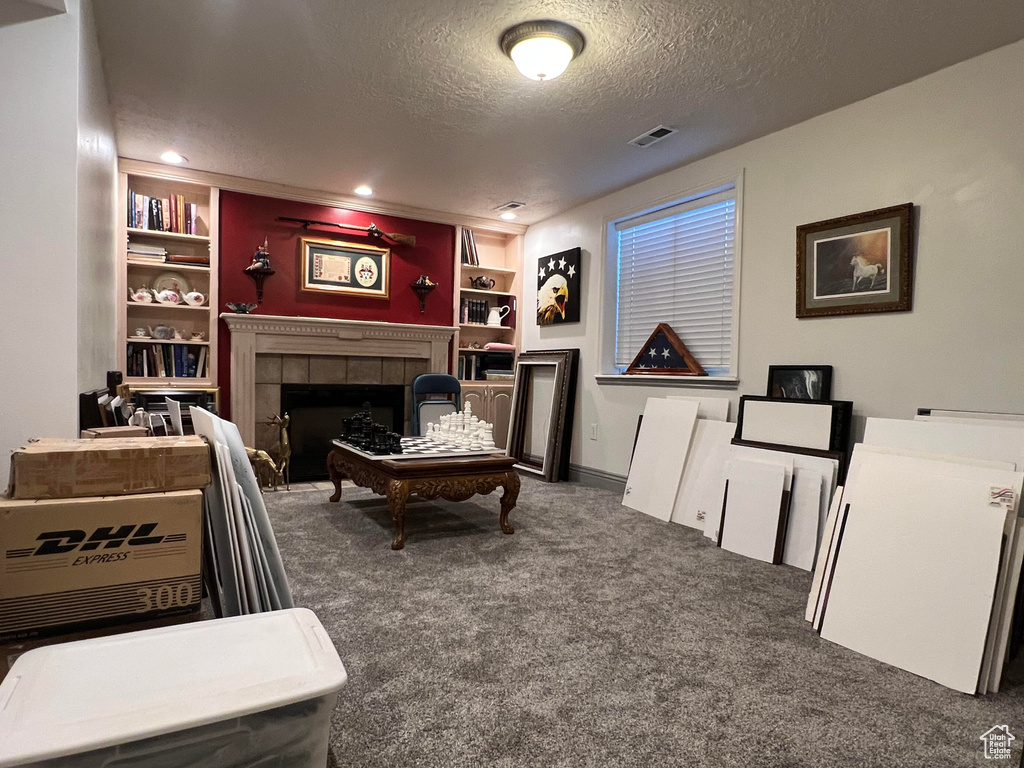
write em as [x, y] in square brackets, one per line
[65, 699]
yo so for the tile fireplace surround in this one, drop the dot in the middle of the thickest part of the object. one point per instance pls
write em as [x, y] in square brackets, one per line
[268, 350]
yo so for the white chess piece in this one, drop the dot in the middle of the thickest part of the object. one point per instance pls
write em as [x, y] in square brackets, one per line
[488, 441]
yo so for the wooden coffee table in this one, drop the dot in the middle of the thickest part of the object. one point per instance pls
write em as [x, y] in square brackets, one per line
[455, 479]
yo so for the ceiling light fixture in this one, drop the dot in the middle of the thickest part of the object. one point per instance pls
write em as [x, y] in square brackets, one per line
[507, 216]
[363, 190]
[542, 49]
[170, 156]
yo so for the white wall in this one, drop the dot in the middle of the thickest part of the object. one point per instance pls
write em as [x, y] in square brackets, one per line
[951, 144]
[97, 201]
[39, 227]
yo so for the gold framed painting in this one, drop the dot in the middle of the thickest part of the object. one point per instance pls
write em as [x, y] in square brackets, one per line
[856, 264]
[329, 266]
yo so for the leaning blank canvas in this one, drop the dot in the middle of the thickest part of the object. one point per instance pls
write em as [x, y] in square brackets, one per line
[821, 563]
[915, 576]
[708, 445]
[979, 442]
[659, 456]
[752, 509]
[806, 425]
[714, 408]
[805, 513]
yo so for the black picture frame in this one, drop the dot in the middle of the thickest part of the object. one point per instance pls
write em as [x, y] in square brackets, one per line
[554, 464]
[558, 287]
[839, 435]
[800, 382]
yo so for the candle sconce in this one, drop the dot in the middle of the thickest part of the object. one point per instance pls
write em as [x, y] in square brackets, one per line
[423, 286]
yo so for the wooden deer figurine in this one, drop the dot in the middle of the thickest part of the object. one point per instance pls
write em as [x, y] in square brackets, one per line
[284, 450]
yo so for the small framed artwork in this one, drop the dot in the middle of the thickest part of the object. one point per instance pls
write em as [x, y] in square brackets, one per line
[856, 264]
[558, 287]
[348, 268]
[800, 382]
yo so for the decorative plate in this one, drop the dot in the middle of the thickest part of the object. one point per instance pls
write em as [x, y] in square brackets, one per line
[171, 281]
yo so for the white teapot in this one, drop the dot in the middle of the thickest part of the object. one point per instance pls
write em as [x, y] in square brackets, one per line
[194, 299]
[497, 314]
[168, 296]
[143, 295]
[162, 332]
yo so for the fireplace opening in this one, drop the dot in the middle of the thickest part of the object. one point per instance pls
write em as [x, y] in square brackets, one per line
[316, 412]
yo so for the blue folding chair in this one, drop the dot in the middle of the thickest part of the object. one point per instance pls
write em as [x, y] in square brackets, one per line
[431, 409]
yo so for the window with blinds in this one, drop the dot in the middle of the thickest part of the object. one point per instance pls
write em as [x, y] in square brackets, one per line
[676, 267]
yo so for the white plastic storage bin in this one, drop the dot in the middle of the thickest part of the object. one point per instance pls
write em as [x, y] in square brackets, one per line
[231, 693]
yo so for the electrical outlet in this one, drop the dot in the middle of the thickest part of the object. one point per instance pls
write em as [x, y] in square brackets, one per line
[593, 431]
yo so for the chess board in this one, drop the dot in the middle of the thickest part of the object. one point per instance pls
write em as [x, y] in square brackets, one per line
[422, 448]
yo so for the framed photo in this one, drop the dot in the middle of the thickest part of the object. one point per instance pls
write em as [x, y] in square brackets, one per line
[348, 268]
[800, 382]
[558, 287]
[856, 264]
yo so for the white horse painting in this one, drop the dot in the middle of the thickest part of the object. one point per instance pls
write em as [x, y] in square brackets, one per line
[865, 270]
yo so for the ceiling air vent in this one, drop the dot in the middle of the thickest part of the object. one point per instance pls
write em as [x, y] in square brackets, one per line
[510, 206]
[652, 136]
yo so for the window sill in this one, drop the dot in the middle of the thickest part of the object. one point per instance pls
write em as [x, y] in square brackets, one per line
[654, 380]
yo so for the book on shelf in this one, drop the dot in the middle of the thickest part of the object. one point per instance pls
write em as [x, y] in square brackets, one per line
[185, 258]
[172, 361]
[164, 214]
[470, 255]
[473, 311]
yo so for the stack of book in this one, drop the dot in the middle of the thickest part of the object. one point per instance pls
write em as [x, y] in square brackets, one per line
[168, 214]
[469, 252]
[142, 252]
[177, 361]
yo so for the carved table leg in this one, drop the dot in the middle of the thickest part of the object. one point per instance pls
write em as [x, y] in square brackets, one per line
[508, 499]
[336, 475]
[398, 494]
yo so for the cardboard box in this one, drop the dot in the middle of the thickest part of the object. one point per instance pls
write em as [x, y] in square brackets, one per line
[69, 564]
[9, 652]
[63, 469]
[113, 432]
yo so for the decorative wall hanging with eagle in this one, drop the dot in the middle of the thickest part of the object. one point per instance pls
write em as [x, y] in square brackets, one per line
[558, 287]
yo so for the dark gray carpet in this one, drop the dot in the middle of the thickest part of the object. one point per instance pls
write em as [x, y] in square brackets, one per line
[595, 636]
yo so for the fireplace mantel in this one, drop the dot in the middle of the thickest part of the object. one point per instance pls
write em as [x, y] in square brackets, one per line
[274, 334]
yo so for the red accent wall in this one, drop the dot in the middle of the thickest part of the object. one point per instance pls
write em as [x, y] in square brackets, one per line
[246, 219]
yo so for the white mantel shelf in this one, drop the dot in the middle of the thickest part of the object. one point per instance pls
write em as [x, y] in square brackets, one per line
[279, 335]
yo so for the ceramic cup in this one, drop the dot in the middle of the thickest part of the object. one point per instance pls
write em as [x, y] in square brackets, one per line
[140, 332]
[198, 336]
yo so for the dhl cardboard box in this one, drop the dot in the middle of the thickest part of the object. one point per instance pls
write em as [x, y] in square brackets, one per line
[69, 564]
[62, 469]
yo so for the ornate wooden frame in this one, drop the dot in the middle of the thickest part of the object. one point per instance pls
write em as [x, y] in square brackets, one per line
[901, 295]
[555, 463]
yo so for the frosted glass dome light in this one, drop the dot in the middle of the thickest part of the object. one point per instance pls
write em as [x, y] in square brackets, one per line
[542, 50]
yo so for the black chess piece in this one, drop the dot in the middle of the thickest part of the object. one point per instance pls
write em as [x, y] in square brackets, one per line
[396, 442]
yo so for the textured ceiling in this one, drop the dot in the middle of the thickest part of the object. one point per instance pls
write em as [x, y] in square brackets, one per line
[415, 98]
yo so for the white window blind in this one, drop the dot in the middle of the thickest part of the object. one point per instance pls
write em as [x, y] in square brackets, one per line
[676, 267]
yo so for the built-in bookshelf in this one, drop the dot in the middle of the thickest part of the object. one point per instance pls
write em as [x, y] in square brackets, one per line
[168, 239]
[488, 277]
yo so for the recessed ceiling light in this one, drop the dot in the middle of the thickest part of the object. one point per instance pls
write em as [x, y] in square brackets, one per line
[542, 49]
[170, 156]
[364, 190]
[507, 216]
